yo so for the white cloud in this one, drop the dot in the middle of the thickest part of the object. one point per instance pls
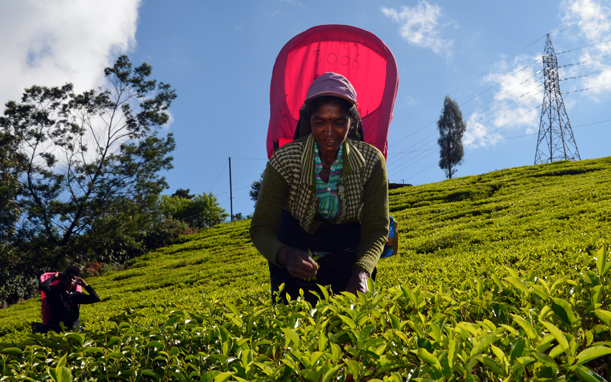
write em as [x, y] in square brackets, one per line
[514, 106]
[519, 93]
[420, 26]
[51, 42]
[590, 20]
[478, 135]
[411, 101]
[591, 17]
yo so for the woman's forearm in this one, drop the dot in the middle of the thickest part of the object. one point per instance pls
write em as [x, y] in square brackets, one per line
[264, 224]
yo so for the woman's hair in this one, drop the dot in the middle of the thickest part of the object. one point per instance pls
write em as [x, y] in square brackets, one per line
[306, 111]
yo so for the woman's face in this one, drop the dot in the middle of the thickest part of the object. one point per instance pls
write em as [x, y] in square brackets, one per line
[330, 126]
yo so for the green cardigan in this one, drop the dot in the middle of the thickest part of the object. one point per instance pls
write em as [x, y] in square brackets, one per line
[289, 183]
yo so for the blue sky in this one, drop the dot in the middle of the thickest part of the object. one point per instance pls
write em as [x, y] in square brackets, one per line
[219, 55]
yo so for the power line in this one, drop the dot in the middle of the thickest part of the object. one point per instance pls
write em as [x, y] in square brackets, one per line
[218, 177]
[405, 152]
[237, 189]
[418, 173]
[483, 73]
[478, 77]
[515, 137]
[402, 160]
[581, 47]
[417, 151]
[464, 103]
[583, 90]
[582, 76]
[393, 172]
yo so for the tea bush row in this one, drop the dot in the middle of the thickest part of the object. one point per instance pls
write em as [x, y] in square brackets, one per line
[502, 328]
[464, 243]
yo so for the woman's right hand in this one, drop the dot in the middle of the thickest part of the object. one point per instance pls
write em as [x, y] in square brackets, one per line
[297, 263]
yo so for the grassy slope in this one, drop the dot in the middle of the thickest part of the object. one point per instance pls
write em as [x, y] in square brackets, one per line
[539, 220]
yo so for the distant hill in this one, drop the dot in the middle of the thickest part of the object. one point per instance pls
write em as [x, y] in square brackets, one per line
[543, 222]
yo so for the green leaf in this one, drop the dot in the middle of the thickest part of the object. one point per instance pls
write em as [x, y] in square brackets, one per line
[604, 316]
[592, 353]
[348, 321]
[394, 320]
[354, 368]
[483, 344]
[331, 373]
[292, 335]
[324, 291]
[62, 361]
[150, 373]
[526, 326]
[222, 377]
[322, 342]
[452, 351]
[589, 337]
[558, 283]
[93, 350]
[266, 369]
[510, 329]
[13, 351]
[601, 262]
[563, 310]
[517, 347]
[588, 375]
[232, 307]
[364, 335]
[545, 359]
[62, 373]
[517, 284]
[75, 336]
[154, 344]
[424, 355]
[558, 335]
[225, 336]
[598, 289]
[493, 365]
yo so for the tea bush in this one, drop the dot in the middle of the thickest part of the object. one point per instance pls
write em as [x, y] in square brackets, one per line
[500, 276]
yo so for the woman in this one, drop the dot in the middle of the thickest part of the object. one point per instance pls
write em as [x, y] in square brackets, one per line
[325, 193]
[63, 299]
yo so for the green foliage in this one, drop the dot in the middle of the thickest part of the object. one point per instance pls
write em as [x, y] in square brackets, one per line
[85, 157]
[479, 330]
[451, 129]
[503, 276]
[9, 188]
[255, 188]
[199, 211]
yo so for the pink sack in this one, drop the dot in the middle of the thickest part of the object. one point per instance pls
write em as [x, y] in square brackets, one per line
[356, 54]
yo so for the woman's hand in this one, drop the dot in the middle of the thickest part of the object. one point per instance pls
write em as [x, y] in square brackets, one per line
[358, 281]
[297, 263]
[81, 282]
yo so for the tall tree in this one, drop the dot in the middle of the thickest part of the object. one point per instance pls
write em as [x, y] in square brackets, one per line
[91, 161]
[451, 129]
[182, 193]
[255, 189]
[9, 187]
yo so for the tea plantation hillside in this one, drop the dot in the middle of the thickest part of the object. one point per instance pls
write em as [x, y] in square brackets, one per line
[500, 276]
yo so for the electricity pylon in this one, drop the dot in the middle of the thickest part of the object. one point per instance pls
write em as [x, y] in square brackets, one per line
[555, 128]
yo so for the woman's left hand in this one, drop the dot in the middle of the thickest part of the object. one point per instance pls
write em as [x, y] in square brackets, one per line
[358, 281]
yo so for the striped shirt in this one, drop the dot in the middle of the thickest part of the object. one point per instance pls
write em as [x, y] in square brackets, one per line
[329, 206]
